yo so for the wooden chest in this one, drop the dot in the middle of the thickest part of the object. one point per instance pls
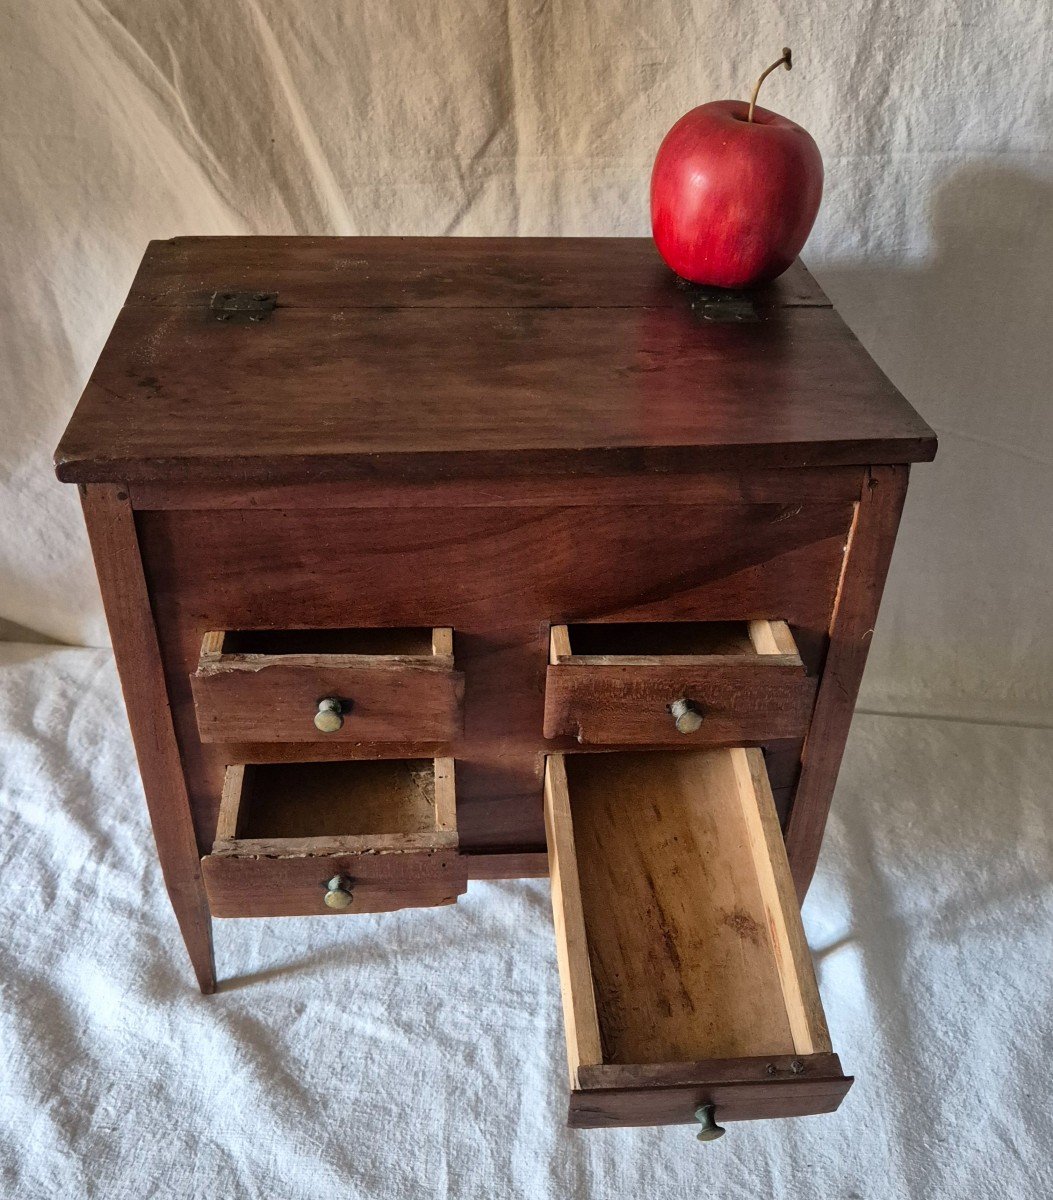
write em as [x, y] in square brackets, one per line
[429, 560]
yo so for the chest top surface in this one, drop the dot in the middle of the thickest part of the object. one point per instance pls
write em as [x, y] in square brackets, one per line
[433, 357]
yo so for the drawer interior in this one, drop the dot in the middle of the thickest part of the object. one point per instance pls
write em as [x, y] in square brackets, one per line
[679, 939]
[337, 807]
[402, 642]
[672, 640]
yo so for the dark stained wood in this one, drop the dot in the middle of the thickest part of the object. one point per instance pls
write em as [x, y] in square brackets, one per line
[379, 647]
[658, 643]
[334, 751]
[494, 435]
[475, 393]
[114, 545]
[626, 1107]
[495, 576]
[782, 761]
[423, 392]
[742, 702]
[432, 272]
[274, 698]
[764, 1069]
[389, 828]
[498, 567]
[851, 631]
[773, 486]
[293, 887]
[525, 865]
[617, 1094]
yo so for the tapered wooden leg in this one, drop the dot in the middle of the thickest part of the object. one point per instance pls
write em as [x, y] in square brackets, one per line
[863, 572]
[195, 924]
[115, 547]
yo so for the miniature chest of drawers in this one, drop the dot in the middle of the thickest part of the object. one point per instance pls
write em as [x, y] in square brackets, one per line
[428, 560]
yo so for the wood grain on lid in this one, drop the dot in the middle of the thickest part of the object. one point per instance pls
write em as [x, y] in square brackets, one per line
[436, 358]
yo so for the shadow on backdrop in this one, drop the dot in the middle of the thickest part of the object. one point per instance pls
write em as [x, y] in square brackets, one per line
[967, 337]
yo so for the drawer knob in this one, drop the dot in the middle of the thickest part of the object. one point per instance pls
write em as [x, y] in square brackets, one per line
[338, 892]
[710, 1130]
[686, 715]
[329, 716]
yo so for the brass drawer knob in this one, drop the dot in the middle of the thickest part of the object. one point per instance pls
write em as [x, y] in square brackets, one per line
[338, 892]
[329, 716]
[686, 716]
[710, 1130]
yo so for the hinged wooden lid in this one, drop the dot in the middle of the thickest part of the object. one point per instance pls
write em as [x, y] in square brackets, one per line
[432, 357]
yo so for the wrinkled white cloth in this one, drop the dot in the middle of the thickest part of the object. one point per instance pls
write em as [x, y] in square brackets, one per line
[122, 121]
[421, 1053]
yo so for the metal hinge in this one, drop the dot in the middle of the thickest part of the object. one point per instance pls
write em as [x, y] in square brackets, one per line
[714, 304]
[242, 306]
[718, 304]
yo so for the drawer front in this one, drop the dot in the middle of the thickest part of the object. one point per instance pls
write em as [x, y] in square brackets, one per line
[685, 976]
[634, 705]
[748, 1089]
[295, 887]
[302, 839]
[278, 702]
[261, 698]
[712, 699]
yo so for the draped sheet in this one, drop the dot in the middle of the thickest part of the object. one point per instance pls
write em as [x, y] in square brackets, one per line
[122, 121]
[421, 1053]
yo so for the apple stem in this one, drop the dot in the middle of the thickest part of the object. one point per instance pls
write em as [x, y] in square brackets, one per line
[787, 59]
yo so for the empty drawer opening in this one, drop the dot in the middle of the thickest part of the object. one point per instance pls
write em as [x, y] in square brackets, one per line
[321, 807]
[686, 917]
[402, 642]
[673, 639]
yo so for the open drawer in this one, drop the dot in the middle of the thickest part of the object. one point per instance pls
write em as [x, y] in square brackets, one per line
[715, 683]
[685, 974]
[328, 685]
[294, 839]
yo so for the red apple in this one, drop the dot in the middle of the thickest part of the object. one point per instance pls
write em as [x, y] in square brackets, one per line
[733, 199]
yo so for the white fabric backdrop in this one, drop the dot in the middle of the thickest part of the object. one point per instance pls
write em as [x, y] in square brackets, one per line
[420, 1054]
[122, 121]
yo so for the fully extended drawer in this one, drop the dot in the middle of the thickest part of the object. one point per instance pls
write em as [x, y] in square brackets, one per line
[328, 685]
[688, 990]
[699, 683]
[296, 839]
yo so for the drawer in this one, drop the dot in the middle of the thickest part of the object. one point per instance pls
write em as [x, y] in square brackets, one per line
[716, 683]
[328, 685]
[295, 839]
[685, 974]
